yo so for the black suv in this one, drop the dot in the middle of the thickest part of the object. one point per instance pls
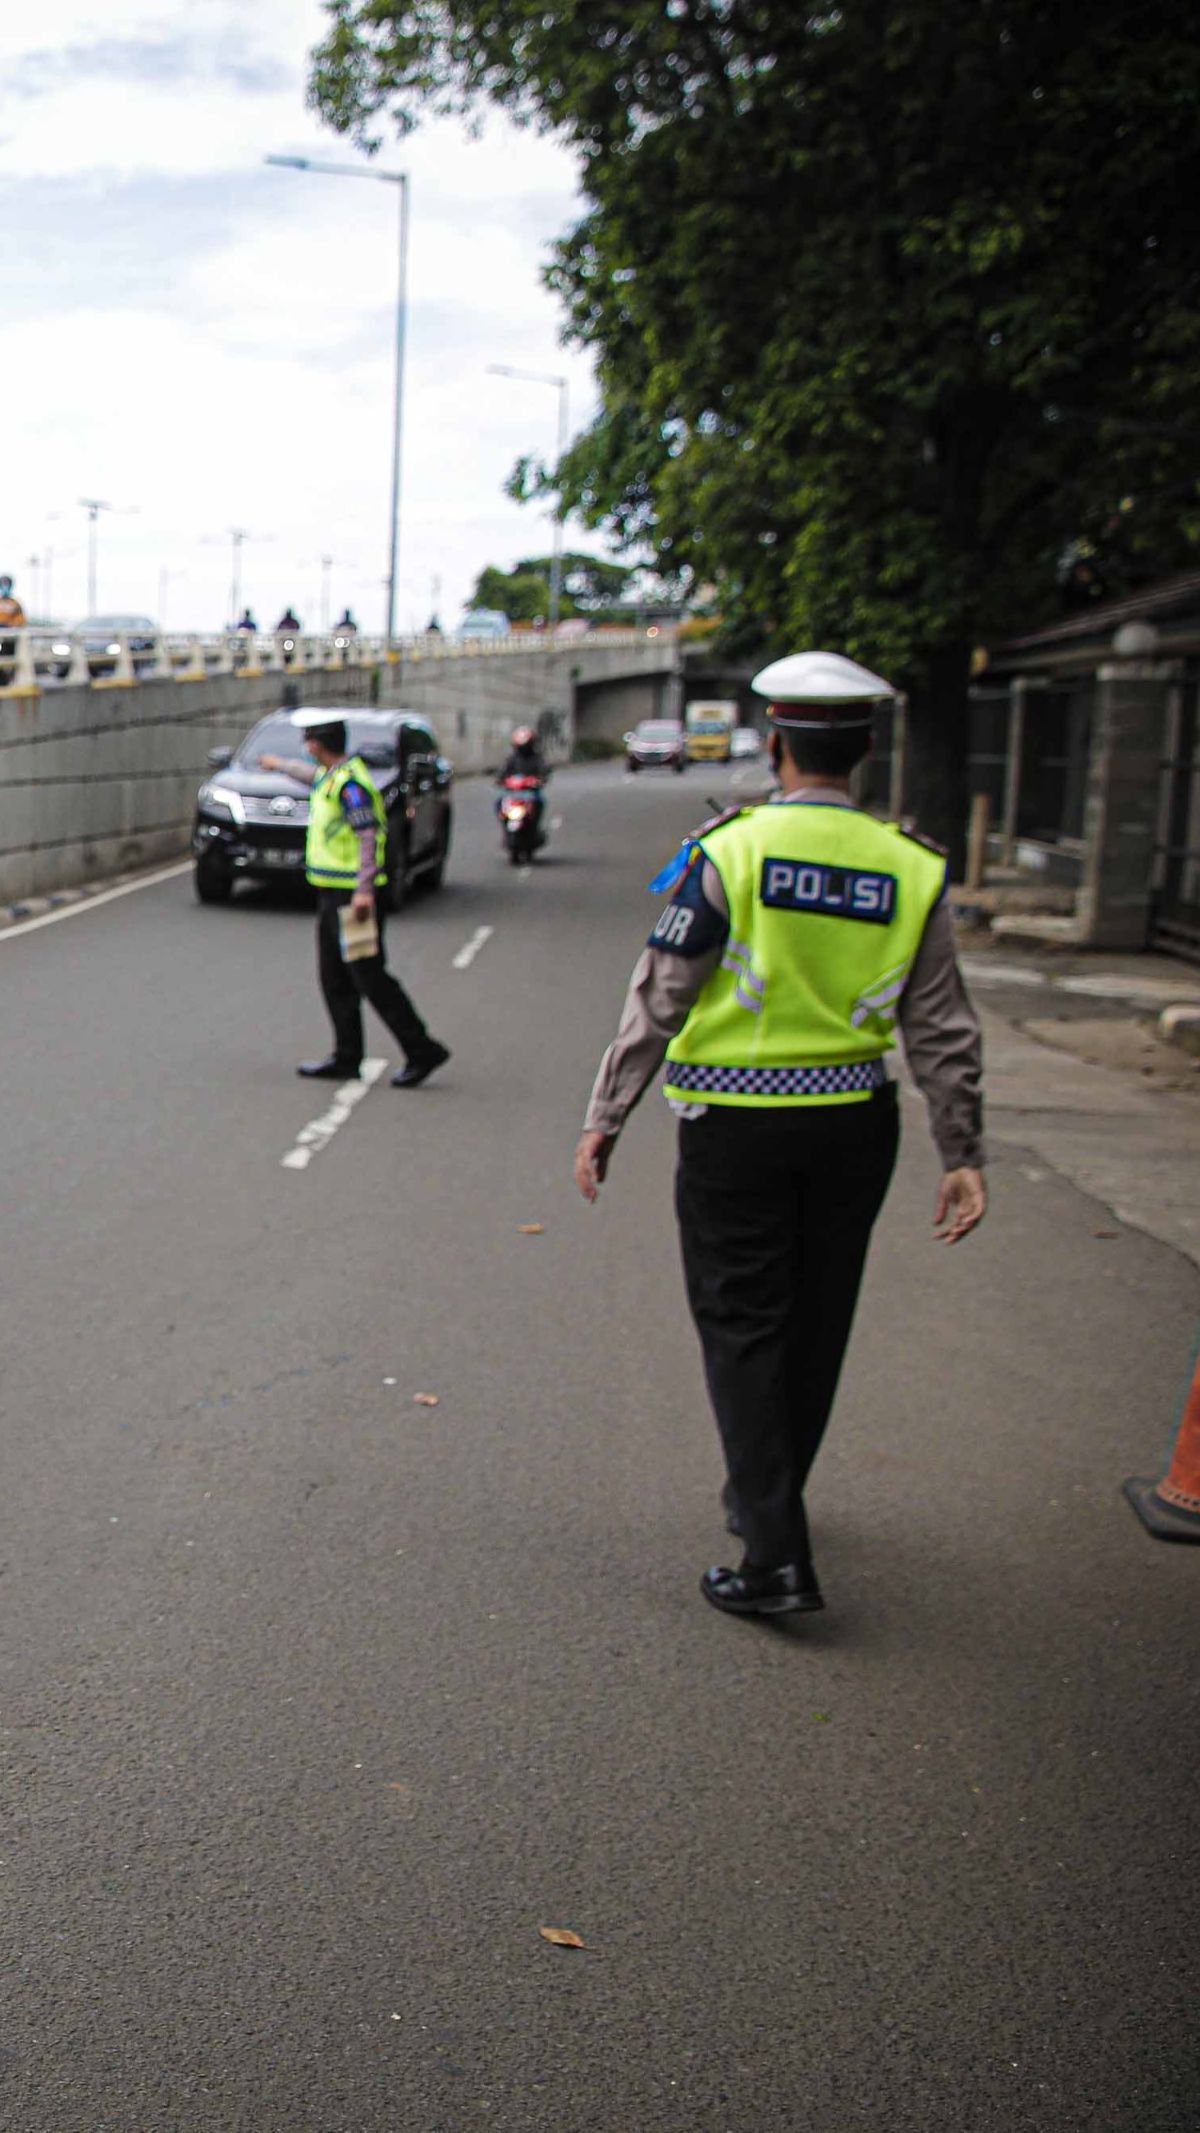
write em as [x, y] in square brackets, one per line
[252, 823]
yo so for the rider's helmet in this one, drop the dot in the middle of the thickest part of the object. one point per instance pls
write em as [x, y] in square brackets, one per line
[5, 584]
[523, 737]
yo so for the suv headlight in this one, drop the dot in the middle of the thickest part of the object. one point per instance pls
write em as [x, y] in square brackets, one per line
[220, 801]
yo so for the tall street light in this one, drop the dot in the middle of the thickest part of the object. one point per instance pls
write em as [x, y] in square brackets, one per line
[93, 506]
[399, 178]
[547, 377]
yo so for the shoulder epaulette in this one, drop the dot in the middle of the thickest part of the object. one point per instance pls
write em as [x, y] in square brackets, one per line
[908, 828]
[718, 822]
[689, 852]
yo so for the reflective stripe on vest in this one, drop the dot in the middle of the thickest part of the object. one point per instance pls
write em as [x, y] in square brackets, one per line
[331, 850]
[827, 907]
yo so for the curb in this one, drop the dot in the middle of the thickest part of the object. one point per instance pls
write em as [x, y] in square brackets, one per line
[38, 906]
[1180, 1026]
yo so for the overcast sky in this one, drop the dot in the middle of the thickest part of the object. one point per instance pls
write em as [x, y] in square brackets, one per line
[205, 343]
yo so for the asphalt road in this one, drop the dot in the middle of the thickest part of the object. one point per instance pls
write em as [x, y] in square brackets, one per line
[318, 1703]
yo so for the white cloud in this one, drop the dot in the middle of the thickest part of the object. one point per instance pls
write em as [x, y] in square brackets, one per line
[210, 341]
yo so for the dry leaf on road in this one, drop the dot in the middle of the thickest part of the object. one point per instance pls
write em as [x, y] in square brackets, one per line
[425, 1399]
[531, 1229]
[561, 1936]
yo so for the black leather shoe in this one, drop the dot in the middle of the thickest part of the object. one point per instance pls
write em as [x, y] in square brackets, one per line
[331, 1069]
[419, 1070]
[790, 1589]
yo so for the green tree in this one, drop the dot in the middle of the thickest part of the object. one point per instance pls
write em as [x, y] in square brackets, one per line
[891, 302]
[590, 585]
[522, 594]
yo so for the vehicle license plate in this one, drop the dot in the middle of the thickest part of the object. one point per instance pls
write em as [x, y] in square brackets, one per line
[275, 855]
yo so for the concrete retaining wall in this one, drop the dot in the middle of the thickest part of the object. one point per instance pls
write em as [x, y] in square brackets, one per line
[98, 780]
[473, 705]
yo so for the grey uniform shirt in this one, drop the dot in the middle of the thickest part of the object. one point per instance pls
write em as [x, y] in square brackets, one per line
[938, 1025]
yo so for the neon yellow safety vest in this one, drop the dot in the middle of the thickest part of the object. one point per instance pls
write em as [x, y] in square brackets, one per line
[827, 907]
[331, 849]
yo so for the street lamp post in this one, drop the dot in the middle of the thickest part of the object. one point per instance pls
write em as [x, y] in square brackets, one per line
[93, 506]
[237, 535]
[399, 178]
[548, 377]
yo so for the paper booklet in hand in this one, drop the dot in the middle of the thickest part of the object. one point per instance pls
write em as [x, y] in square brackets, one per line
[359, 936]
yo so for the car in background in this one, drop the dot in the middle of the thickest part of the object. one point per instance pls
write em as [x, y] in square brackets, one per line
[745, 740]
[102, 636]
[656, 744]
[252, 824]
[483, 622]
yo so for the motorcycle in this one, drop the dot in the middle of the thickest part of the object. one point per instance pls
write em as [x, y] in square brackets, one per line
[520, 810]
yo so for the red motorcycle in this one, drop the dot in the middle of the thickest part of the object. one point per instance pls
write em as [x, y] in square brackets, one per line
[520, 809]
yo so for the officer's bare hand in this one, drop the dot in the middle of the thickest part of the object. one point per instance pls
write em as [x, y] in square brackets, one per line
[361, 904]
[591, 1162]
[961, 1205]
[270, 762]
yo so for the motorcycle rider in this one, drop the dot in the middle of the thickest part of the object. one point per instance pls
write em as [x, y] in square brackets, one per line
[525, 760]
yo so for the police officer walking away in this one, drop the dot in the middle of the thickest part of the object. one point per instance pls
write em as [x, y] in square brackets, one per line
[345, 861]
[798, 934]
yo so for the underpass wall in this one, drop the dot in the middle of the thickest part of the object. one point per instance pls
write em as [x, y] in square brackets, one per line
[474, 703]
[98, 780]
[606, 710]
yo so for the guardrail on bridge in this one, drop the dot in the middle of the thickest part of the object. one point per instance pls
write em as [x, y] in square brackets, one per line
[35, 657]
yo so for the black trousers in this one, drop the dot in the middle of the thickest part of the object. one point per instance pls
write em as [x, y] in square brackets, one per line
[775, 1210]
[347, 985]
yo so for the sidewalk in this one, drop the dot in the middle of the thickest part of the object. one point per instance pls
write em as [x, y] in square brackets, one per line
[1078, 1076]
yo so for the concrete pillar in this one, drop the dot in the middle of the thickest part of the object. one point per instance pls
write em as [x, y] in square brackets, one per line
[1121, 807]
[1017, 691]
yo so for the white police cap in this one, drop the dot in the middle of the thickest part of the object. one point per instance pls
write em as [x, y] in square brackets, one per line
[821, 691]
[314, 716]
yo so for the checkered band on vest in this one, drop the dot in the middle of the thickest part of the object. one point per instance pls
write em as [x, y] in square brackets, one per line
[861, 1075]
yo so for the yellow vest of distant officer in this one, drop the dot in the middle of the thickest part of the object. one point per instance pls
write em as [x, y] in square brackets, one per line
[827, 907]
[331, 850]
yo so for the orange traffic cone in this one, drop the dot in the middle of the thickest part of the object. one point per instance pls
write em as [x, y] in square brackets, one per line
[1170, 1508]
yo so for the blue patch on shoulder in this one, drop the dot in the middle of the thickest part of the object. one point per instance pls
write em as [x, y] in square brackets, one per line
[828, 892]
[675, 869]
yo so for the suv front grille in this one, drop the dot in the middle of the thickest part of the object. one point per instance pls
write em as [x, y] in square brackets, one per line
[259, 810]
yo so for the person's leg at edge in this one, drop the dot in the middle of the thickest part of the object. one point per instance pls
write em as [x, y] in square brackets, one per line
[846, 1170]
[337, 984]
[737, 1205]
[376, 983]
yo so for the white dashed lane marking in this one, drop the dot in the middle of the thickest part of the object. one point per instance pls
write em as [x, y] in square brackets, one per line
[320, 1131]
[466, 956]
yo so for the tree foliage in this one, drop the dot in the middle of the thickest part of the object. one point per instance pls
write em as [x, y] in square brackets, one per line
[891, 301]
[590, 586]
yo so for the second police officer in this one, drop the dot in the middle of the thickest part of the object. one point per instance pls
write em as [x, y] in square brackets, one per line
[345, 861]
[797, 936]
